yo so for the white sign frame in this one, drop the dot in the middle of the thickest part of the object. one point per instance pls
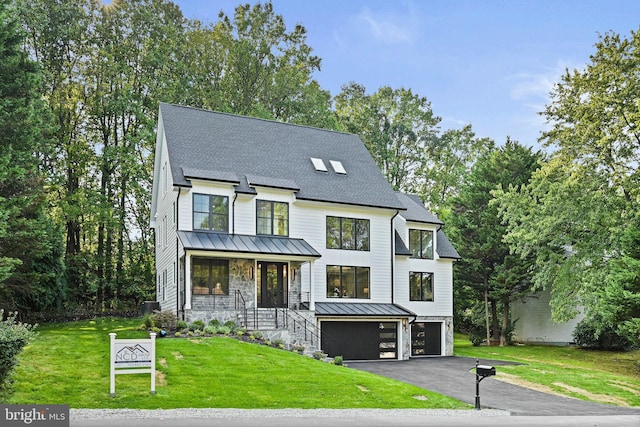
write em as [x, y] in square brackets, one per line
[132, 356]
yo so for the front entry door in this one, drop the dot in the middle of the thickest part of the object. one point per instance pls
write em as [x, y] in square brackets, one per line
[272, 284]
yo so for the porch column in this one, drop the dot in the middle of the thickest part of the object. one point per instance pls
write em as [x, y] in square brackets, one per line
[187, 282]
[312, 300]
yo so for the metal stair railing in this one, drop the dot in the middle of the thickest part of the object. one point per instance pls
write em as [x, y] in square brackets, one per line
[311, 331]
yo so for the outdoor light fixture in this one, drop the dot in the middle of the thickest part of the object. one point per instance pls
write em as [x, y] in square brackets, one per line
[250, 272]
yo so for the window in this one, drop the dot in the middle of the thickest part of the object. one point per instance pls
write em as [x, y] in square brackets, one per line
[347, 233]
[347, 282]
[420, 286]
[421, 243]
[272, 218]
[210, 276]
[210, 212]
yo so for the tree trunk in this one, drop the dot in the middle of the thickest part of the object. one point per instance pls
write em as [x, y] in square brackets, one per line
[486, 315]
[506, 324]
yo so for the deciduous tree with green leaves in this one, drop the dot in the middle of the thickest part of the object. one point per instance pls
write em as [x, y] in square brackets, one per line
[573, 216]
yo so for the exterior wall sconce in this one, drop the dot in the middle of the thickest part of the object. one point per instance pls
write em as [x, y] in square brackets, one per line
[250, 272]
[294, 274]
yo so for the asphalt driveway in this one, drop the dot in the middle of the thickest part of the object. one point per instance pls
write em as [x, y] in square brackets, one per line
[452, 376]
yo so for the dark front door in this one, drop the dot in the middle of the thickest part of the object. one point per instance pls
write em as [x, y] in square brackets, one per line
[272, 284]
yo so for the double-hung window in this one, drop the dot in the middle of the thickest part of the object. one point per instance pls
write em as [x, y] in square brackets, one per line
[421, 244]
[420, 286]
[210, 212]
[347, 282]
[272, 218]
[347, 233]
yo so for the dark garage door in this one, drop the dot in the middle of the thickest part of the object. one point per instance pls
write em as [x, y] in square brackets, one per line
[426, 339]
[360, 340]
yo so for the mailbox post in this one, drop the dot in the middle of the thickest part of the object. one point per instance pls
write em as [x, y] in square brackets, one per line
[482, 372]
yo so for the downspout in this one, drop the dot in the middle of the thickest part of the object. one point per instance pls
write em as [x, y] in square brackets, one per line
[177, 273]
[393, 255]
[233, 217]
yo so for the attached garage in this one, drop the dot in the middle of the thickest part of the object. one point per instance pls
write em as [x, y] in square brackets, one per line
[426, 339]
[361, 331]
[360, 340]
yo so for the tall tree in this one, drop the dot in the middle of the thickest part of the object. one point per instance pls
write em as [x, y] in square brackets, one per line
[487, 266]
[448, 158]
[396, 125]
[572, 215]
[30, 260]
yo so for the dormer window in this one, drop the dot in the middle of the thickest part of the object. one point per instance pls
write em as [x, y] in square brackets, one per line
[210, 212]
[272, 218]
[421, 244]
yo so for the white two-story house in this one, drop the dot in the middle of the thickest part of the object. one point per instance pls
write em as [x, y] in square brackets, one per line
[279, 226]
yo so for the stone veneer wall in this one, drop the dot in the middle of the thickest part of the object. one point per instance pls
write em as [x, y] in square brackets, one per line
[448, 331]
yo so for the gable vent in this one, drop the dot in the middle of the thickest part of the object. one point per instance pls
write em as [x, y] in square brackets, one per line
[319, 165]
[338, 167]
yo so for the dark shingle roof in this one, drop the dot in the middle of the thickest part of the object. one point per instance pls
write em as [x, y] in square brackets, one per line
[361, 309]
[445, 248]
[401, 248]
[238, 243]
[225, 145]
[415, 210]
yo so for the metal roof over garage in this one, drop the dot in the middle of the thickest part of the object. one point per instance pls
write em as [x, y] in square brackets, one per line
[240, 243]
[361, 309]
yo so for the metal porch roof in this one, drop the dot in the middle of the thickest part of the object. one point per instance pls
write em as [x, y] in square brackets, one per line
[240, 243]
[361, 309]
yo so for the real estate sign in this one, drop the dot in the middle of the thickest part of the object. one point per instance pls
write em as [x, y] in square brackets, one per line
[132, 356]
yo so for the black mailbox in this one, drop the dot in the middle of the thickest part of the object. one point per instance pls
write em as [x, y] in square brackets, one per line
[485, 370]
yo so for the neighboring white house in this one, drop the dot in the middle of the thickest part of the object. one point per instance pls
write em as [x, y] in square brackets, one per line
[294, 230]
[534, 324]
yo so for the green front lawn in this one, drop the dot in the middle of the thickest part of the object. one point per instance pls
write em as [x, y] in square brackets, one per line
[602, 376]
[69, 364]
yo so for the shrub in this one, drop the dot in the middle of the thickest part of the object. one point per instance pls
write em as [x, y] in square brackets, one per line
[196, 325]
[164, 320]
[595, 333]
[257, 335]
[147, 321]
[278, 342]
[337, 360]
[318, 355]
[298, 349]
[214, 322]
[13, 337]
[210, 330]
[182, 325]
[178, 334]
[223, 330]
[231, 325]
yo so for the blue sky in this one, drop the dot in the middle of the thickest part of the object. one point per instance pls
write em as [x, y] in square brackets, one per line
[487, 63]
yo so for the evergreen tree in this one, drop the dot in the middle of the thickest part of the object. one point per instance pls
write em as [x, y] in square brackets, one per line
[30, 267]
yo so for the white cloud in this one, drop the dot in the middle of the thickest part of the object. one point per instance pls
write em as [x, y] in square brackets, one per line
[382, 27]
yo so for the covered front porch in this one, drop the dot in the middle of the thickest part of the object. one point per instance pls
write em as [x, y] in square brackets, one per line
[224, 275]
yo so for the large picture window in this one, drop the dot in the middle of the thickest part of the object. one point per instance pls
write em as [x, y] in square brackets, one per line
[347, 233]
[421, 244]
[272, 218]
[420, 286]
[210, 276]
[347, 282]
[210, 212]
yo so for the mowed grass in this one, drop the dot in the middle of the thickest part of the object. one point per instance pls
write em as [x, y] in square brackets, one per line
[68, 363]
[600, 376]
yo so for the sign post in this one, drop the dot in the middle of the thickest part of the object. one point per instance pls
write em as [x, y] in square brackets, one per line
[132, 356]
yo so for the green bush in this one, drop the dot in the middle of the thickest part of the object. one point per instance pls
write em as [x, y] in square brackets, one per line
[13, 337]
[180, 325]
[231, 325]
[164, 320]
[196, 325]
[595, 333]
[337, 360]
[147, 321]
[223, 330]
[210, 330]
[214, 322]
